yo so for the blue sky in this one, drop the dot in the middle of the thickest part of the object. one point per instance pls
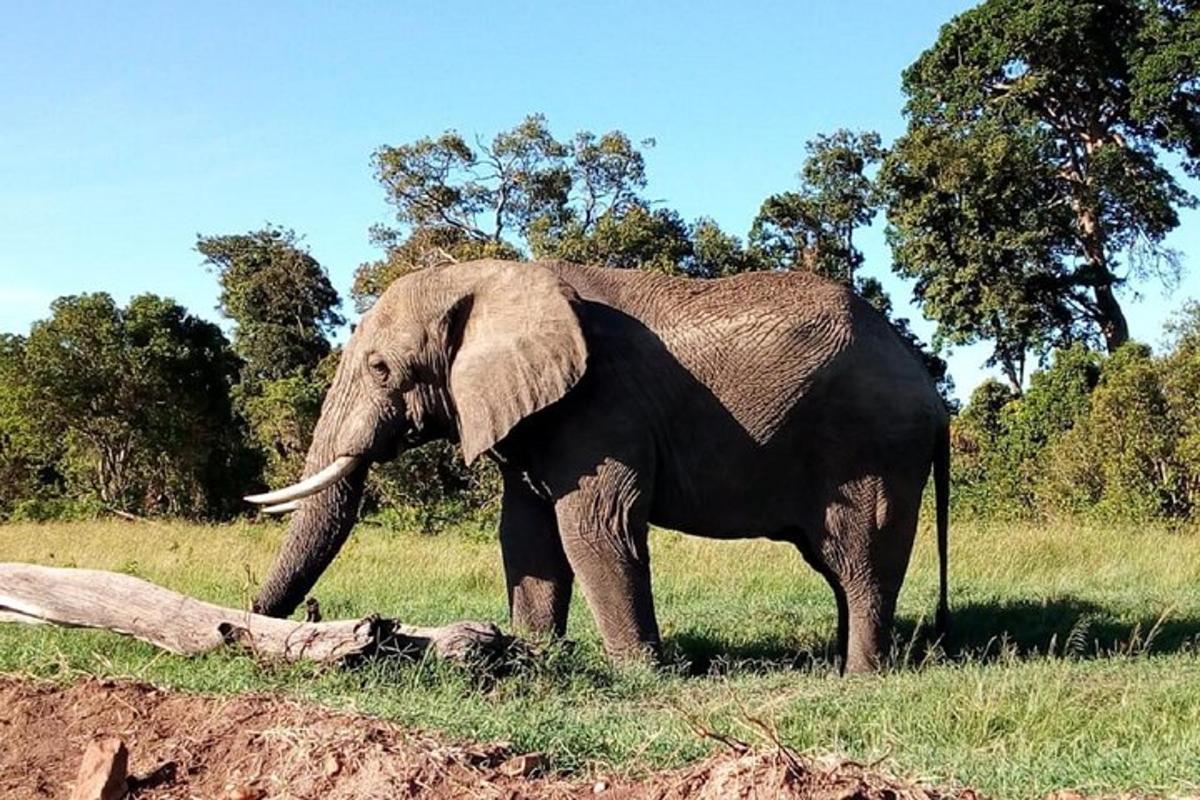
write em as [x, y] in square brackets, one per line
[128, 128]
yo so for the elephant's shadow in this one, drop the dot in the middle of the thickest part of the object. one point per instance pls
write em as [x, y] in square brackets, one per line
[1063, 627]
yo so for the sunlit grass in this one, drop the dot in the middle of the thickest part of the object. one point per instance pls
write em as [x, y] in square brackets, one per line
[1074, 662]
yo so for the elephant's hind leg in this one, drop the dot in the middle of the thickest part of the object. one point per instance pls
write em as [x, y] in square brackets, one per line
[867, 552]
[535, 567]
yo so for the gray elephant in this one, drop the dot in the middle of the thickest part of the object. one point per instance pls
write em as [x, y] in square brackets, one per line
[776, 405]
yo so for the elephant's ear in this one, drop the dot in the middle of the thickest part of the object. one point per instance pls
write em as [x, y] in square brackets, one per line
[520, 349]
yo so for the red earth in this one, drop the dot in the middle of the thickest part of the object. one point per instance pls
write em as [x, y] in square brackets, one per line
[252, 747]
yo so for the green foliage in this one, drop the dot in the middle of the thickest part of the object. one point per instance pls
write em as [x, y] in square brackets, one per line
[717, 254]
[627, 238]
[1181, 384]
[128, 407]
[1028, 186]
[813, 228]
[1112, 437]
[282, 414]
[431, 489]
[1001, 439]
[278, 296]
[527, 194]
[55, 508]
[284, 309]
[1118, 462]
[27, 455]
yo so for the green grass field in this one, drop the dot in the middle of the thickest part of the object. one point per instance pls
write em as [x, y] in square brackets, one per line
[1075, 661]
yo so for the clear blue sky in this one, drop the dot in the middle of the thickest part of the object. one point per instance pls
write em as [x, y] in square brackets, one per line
[128, 128]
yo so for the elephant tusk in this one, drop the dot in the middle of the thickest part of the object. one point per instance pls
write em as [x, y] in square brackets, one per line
[281, 508]
[340, 468]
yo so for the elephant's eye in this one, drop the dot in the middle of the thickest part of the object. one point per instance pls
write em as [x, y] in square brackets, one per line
[379, 369]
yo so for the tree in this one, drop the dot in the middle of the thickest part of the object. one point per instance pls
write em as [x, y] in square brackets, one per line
[717, 254]
[284, 309]
[527, 194]
[282, 414]
[1029, 185]
[137, 399]
[27, 452]
[1002, 438]
[278, 296]
[813, 228]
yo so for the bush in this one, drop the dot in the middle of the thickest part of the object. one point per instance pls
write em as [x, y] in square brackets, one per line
[1121, 455]
[1001, 438]
[430, 488]
[1113, 437]
[57, 509]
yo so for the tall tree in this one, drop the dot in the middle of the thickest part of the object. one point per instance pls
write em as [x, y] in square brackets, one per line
[1029, 186]
[278, 296]
[813, 227]
[284, 309]
[526, 193]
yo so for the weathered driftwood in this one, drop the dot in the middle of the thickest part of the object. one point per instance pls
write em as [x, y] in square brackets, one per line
[95, 599]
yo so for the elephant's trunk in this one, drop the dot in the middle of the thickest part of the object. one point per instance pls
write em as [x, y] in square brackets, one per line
[328, 500]
[316, 533]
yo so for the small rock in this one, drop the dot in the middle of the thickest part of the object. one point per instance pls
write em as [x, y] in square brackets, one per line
[332, 765]
[103, 772]
[245, 792]
[599, 787]
[524, 766]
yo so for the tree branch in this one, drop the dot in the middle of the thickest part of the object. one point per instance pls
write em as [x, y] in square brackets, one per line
[180, 624]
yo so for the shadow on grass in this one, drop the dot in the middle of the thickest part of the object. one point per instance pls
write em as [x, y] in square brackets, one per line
[988, 631]
[1063, 626]
[699, 654]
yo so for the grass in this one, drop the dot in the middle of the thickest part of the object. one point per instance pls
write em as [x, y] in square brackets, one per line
[1075, 662]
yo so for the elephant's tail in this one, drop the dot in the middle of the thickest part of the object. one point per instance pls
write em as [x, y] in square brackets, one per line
[941, 486]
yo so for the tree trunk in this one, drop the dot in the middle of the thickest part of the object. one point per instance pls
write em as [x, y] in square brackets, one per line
[180, 624]
[1110, 317]
[1112, 323]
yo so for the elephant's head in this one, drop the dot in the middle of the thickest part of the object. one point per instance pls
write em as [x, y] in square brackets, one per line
[463, 351]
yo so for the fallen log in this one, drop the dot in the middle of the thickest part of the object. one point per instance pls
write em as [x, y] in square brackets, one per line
[86, 598]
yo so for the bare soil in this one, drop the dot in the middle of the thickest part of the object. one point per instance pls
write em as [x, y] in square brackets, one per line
[253, 747]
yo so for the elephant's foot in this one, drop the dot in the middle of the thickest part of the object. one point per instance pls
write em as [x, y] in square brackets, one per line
[634, 653]
[869, 633]
[539, 607]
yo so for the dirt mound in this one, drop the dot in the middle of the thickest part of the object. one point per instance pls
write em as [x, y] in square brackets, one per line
[251, 747]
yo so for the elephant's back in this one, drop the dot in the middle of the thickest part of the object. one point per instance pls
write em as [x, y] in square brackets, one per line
[767, 344]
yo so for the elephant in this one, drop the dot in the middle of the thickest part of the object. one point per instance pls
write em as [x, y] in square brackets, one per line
[766, 404]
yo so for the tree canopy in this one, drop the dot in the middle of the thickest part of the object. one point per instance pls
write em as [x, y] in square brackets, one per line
[129, 405]
[279, 297]
[813, 227]
[284, 310]
[1029, 186]
[525, 193]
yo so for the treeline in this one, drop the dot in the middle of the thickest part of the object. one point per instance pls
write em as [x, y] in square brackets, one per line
[1027, 190]
[1115, 437]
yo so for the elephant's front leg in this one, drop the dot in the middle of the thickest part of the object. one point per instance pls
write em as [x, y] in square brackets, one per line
[604, 529]
[535, 567]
